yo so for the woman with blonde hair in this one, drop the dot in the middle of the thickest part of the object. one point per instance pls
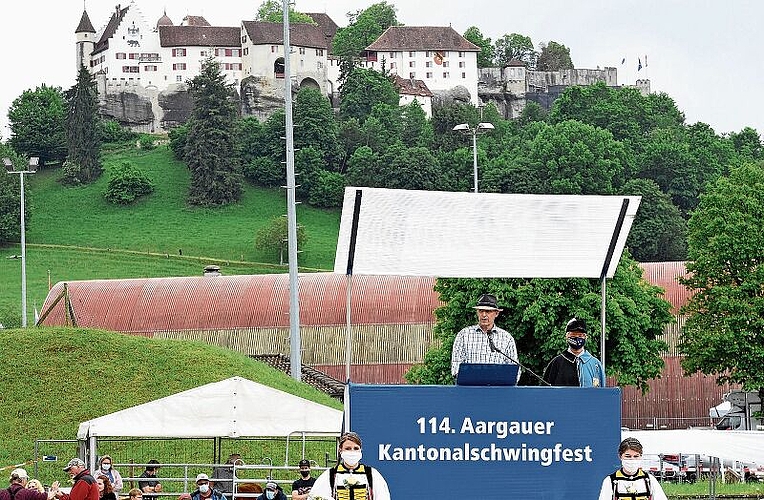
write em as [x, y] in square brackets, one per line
[35, 484]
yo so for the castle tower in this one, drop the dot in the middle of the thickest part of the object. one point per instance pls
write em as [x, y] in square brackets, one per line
[85, 34]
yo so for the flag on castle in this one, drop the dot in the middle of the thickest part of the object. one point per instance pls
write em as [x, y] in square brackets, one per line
[623, 61]
[639, 67]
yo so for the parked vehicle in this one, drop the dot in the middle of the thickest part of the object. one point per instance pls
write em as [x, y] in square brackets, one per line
[740, 411]
[662, 469]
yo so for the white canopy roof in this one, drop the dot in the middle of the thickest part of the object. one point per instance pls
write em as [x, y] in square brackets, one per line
[746, 446]
[235, 407]
[482, 235]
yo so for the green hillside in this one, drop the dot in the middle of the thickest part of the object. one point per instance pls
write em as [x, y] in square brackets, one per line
[55, 378]
[74, 234]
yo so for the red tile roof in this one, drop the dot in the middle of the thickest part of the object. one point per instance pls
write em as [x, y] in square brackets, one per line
[410, 86]
[422, 38]
[194, 21]
[85, 25]
[199, 36]
[301, 35]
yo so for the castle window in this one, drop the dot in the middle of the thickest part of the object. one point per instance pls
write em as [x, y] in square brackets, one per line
[445, 74]
[179, 66]
[412, 64]
[178, 52]
[461, 54]
[246, 50]
[461, 64]
[412, 53]
[429, 74]
[464, 75]
[445, 64]
[412, 75]
[319, 52]
[120, 55]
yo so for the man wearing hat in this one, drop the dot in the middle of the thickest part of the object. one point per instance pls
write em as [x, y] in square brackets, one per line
[484, 342]
[17, 490]
[272, 492]
[575, 367]
[204, 490]
[302, 486]
[85, 486]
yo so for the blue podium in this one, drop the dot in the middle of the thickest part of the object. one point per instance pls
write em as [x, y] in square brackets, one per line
[437, 442]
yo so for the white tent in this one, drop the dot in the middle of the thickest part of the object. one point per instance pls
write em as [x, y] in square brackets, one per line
[747, 446]
[234, 407]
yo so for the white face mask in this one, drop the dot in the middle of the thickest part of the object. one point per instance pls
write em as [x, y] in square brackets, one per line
[631, 465]
[106, 466]
[270, 494]
[204, 488]
[351, 457]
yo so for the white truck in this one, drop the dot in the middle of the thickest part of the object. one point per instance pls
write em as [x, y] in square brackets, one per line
[740, 411]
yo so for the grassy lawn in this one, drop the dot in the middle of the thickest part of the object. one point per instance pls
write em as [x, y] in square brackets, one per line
[700, 489]
[55, 378]
[163, 222]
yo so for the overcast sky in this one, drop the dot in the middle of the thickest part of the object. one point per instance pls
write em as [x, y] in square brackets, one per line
[702, 53]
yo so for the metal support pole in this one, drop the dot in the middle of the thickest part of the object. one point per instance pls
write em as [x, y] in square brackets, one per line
[23, 260]
[474, 158]
[295, 344]
[602, 325]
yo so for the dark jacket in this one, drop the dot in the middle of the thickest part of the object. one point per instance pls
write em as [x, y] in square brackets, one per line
[21, 493]
[216, 495]
[85, 488]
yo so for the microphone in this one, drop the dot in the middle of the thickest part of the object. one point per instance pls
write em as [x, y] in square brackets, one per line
[493, 348]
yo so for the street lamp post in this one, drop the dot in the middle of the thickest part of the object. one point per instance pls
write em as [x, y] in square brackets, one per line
[474, 131]
[33, 161]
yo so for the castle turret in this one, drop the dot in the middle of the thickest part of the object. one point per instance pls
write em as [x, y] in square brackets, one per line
[85, 34]
[164, 20]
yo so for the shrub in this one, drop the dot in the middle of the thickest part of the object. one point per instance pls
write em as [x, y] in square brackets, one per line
[70, 174]
[146, 142]
[127, 184]
[112, 131]
[328, 190]
[265, 172]
[178, 137]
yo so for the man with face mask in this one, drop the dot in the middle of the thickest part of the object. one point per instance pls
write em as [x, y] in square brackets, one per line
[272, 492]
[576, 366]
[350, 479]
[302, 486]
[85, 486]
[204, 490]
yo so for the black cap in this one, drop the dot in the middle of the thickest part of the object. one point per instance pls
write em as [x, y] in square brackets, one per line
[575, 325]
[487, 301]
[304, 463]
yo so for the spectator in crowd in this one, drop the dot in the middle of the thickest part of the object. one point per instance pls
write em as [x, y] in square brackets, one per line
[272, 492]
[350, 479]
[205, 491]
[36, 485]
[484, 342]
[302, 486]
[150, 484]
[135, 494]
[18, 490]
[105, 469]
[105, 489]
[85, 487]
[631, 481]
[223, 476]
[575, 366]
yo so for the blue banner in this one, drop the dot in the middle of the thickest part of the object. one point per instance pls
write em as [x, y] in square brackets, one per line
[489, 442]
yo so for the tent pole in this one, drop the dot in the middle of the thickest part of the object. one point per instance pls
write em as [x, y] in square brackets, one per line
[348, 286]
[602, 324]
[90, 461]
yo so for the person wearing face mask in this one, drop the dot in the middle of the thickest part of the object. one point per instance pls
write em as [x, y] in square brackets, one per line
[205, 491]
[302, 486]
[630, 481]
[105, 469]
[85, 486]
[576, 366]
[350, 479]
[272, 492]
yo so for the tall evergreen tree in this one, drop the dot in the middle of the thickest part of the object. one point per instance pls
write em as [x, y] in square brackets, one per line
[83, 138]
[211, 155]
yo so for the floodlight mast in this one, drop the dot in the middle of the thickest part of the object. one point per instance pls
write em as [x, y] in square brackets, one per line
[33, 162]
[480, 128]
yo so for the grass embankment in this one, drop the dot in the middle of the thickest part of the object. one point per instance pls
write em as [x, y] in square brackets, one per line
[55, 378]
[700, 489]
[159, 228]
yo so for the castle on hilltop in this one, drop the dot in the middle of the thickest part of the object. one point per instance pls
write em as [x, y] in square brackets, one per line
[142, 67]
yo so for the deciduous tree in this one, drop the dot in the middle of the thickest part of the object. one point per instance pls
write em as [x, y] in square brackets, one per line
[362, 89]
[724, 332]
[272, 238]
[554, 57]
[536, 310]
[272, 11]
[37, 119]
[514, 47]
[485, 56]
